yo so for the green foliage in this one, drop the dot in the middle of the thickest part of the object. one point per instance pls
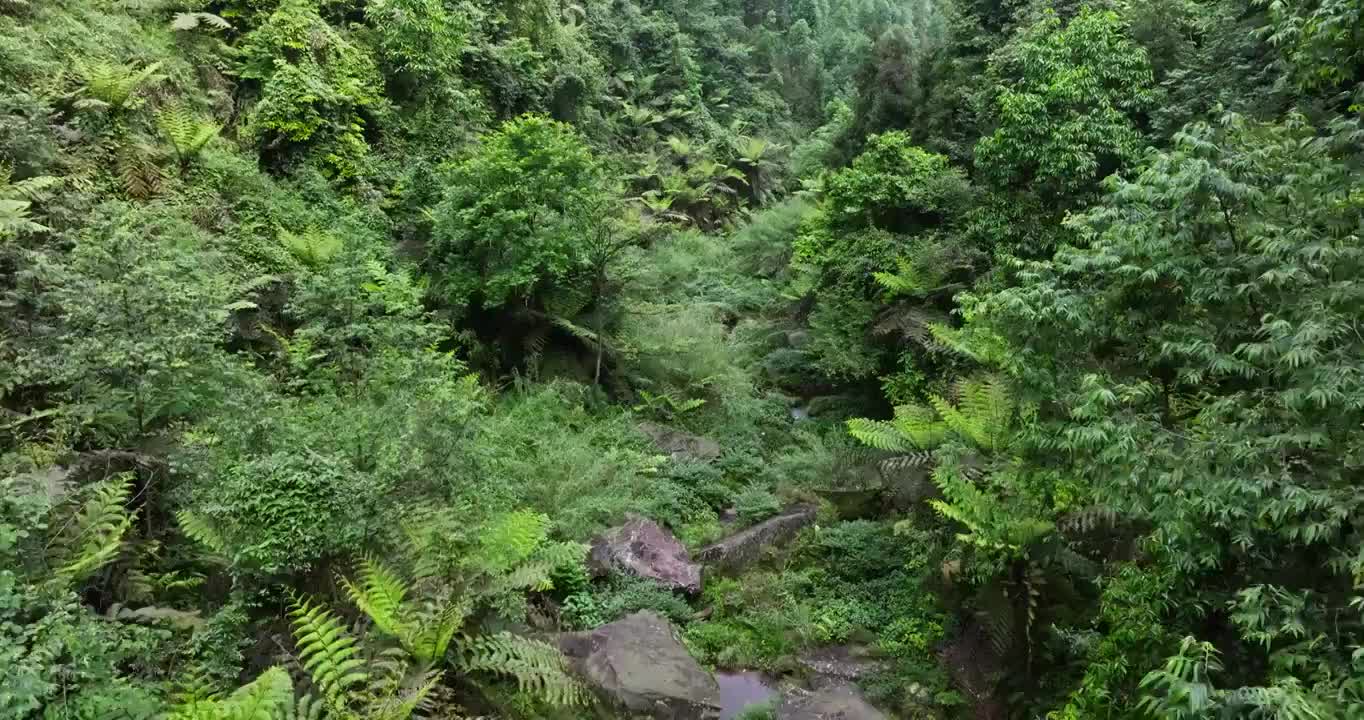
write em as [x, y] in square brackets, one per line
[142, 310]
[113, 87]
[17, 198]
[755, 504]
[261, 699]
[328, 652]
[893, 185]
[420, 37]
[186, 133]
[515, 216]
[94, 534]
[317, 86]
[1067, 102]
[273, 346]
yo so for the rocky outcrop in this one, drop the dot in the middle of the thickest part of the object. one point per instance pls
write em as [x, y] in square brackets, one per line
[836, 701]
[841, 662]
[641, 547]
[679, 445]
[639, 664]
[742, 549]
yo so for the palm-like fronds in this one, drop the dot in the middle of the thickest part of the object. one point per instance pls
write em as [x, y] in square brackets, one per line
[379, 594]
[984, 411]
[17, 197]
[112, 87]
[187, 133]
[914, 428]
[328, 651]
[186, 21]
[200, 530]
[537, 667]
[312, 247]
[92, 537]
[269, 697]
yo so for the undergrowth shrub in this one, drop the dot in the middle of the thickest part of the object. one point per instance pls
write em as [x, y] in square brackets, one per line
[755, 504]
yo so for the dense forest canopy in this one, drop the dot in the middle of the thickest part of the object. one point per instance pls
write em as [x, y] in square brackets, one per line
[1007, 351]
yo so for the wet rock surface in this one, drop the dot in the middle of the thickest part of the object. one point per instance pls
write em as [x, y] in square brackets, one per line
[639, 664]
[841, 662]
[643, 548]
[681, 446]
[744, 548]
[834, 701]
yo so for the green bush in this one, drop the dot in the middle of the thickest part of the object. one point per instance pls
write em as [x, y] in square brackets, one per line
[517, 216]
[755, 504]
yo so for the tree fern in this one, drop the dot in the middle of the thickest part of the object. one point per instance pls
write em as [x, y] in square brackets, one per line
[186, 21]
[537, 667]
[187, 133]
[110, 86]
[911, 279]
[913, 428]
[312, 247]
[327, 650]
[92, 537]
[983, 413]
[536, 571]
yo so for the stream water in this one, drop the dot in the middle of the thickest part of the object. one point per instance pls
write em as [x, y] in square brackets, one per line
[738, 690]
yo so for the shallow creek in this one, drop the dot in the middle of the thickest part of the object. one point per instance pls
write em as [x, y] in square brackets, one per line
[738, 690]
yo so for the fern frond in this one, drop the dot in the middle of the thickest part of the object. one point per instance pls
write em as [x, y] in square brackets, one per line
[919, 426]
[199, 529]
[94, 535]
[921, 459]
[435, 636]
[1090, 519]
[141, 178]
[996, 612]
[31, 189]
[508, 540]
[910, 279]
[401, 703]
[329, 653]
[186, 133]
[380, 594]
[311, 247]
[307, 707]
[912, 322]
[878, 434]
[186, 21]
[535, 574]
[261, 699]
[538, 668]
[113, 86]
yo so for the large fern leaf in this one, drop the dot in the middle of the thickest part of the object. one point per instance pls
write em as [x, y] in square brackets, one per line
[379, 593]
[199, 529]
[329, 653]
[91, 538]
[261, 699]
[538, 668]
[509, 540]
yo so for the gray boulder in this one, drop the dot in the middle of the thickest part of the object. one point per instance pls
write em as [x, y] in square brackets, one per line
[642, 548]
[681, 445]
[837, 701]
[744, 548]
[639, 664]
